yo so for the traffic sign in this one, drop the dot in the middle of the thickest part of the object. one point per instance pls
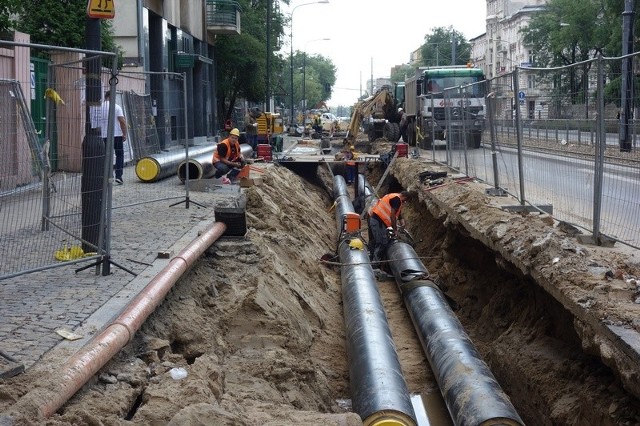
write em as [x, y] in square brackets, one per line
[521, 95]
[101, 9]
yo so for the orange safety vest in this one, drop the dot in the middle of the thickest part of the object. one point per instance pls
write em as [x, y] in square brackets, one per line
[382, 208]
[233, 151]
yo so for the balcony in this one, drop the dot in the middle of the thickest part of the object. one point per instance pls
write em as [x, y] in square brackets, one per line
[223, 17]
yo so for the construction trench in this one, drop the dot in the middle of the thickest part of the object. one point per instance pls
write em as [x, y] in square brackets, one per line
[266, 333]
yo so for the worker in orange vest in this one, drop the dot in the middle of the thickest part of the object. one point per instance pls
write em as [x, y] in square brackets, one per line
[227, 157]
[350, 157]
[384, 217]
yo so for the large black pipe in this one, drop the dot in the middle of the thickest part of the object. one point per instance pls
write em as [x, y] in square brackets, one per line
[379, 392]
[201, 166]
[471, 392]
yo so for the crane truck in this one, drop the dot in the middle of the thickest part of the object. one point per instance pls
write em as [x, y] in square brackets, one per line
[445, 105]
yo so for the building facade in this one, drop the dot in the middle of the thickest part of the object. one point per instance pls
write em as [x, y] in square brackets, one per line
[161, 37]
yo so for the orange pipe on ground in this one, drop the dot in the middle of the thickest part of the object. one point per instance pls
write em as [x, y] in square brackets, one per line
[85, 363]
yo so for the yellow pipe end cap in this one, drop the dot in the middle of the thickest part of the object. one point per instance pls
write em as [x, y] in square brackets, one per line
[389, 422]
[389, 418]
[147, 169]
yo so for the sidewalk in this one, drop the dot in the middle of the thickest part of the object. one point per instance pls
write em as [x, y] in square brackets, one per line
[36, 305]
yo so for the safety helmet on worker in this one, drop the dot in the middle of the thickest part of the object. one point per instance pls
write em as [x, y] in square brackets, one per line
[235, 132]
[400, 110]
[356, 244]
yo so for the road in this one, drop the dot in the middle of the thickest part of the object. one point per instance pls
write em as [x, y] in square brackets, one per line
[565, 182]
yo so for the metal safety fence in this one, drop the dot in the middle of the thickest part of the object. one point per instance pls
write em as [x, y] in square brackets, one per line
[561, 140]
[60, 203]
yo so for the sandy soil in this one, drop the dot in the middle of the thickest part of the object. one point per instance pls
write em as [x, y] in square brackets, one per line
[257, 323]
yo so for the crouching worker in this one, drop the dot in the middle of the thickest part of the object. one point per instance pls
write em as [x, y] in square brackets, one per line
[384, 217]
[227, 157]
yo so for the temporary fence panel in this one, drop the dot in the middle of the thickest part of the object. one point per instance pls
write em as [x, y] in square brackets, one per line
[51, 216]
[545, 127]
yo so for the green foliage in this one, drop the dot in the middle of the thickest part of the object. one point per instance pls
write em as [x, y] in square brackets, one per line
[320, 74]
[241, 65]
[402, 72]
[60, 23]
[437, 48]
[8, 9]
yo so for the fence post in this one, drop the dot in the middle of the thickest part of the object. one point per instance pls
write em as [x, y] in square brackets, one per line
[599, 154]
[491, 98]
[519, 136]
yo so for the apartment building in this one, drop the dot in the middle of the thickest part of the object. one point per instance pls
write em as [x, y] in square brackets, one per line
[176, 36]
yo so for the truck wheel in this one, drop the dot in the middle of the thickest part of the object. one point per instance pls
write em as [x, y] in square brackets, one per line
[396, 130]
[371, 134]
[388, 132]
[474, 140]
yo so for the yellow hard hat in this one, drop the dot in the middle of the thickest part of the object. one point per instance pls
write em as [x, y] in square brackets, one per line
[356, 244]
[235, 132]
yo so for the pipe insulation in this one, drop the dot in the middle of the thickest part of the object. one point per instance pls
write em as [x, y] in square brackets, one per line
[65, 381]
[201, 166]
[158, 166]
[379, 392]
[471, 392]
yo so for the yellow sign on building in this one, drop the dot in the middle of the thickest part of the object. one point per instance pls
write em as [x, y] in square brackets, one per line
[101, 9]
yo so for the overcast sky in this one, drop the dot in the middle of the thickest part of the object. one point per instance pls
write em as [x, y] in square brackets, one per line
[375, 34]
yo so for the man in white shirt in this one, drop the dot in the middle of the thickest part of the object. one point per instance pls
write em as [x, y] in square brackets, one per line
[119, 135]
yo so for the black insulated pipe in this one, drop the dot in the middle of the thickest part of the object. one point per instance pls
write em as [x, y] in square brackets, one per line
[379, 392]
[471, 392]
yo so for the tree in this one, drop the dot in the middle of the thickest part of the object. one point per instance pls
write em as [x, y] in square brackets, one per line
[8, 10]
[402, 72]
[241, 65]
[440, 44]
[566, 32]
[59, 23]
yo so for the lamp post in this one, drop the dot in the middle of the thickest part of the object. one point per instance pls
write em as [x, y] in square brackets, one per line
[304, 74]
[291, 55]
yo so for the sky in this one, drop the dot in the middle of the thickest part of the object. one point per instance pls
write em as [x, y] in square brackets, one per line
[371, 36]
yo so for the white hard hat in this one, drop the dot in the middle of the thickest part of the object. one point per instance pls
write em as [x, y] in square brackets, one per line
[400, 110]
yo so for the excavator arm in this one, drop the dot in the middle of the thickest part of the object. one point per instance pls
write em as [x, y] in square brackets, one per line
[366, 108]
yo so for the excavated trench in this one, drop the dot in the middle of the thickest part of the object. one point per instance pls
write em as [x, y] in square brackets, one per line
[258, 327]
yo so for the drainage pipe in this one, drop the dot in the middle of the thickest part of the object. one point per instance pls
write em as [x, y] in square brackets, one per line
[379, 392]
[201, 167]
[471, 392]
[158, 166]
[44, 401]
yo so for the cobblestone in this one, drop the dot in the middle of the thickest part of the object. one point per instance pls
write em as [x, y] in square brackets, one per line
[34, 305]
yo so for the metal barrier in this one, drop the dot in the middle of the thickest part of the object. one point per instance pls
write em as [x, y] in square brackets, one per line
[53, 186]
[59, 202]
[553, 141]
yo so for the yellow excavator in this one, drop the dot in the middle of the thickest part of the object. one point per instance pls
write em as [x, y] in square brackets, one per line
[378, 117]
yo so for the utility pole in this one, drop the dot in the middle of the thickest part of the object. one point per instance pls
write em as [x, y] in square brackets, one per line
[268, 80]
[93, 151]
[627, 76]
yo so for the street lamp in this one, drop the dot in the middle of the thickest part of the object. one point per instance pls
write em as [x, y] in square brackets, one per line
[304, 75]
[291, 43]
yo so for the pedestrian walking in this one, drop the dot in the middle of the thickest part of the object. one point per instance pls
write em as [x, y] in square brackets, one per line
[119, 135]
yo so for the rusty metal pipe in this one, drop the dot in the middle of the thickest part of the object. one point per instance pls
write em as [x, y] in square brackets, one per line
[45, 400]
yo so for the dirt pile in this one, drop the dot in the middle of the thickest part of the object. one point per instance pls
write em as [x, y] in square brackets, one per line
[256, 327]
[254, 333]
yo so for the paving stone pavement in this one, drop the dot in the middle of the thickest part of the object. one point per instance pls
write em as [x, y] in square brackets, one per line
[146, 219]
